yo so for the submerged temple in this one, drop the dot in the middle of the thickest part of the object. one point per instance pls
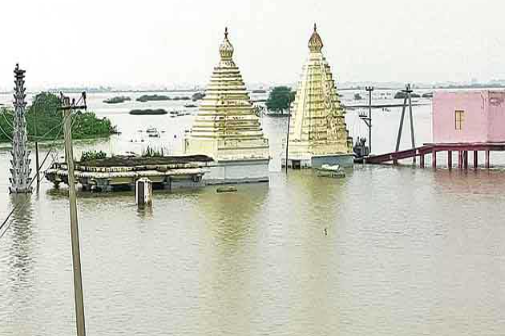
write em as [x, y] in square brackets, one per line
[318, 133]
[226, 127]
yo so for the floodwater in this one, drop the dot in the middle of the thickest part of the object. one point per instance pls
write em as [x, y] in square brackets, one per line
[385, 251]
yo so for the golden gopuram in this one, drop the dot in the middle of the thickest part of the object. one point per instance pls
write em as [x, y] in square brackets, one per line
[318, 133]
[226, 127]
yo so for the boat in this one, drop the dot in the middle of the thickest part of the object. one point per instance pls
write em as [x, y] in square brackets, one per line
[152, 132]
[175, 113]
[330, 171]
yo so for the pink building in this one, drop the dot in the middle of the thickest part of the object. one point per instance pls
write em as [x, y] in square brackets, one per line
[469, 117]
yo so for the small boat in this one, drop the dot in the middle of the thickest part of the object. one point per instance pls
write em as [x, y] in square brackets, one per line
[152, 132]
[330, 171]
[226, 189]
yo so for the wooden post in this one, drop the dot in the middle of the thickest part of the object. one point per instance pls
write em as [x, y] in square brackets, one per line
[475, 159]
[74, 227]
[460, 159]
[465, 158]
[434, 159]
[449, 159]
[488, 164]
[421, 160]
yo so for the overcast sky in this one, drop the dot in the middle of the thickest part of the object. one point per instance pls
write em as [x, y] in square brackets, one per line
[162, 42]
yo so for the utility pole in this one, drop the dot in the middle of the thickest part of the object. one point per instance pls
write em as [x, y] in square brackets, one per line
[287, 140]
[67, 107]
[369, 89]
[407, 98]
[20, 164]
[367, 118]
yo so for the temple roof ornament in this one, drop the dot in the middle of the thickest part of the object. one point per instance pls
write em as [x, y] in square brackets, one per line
[315, 41]
[226, 48]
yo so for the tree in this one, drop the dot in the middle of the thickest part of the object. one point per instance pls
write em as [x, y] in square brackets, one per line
[44, 121]
[280, 99]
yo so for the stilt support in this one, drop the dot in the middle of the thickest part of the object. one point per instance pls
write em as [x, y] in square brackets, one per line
[460, 159]
[421, 160]
[488, 165]
[434, 159]
[465, 157]
[475, 159]
[449, 159]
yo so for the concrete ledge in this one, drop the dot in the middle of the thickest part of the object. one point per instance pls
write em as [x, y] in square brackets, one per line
[316, 161]
[239, 171]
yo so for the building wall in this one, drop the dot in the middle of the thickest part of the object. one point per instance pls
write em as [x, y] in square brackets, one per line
[496, 116]
[476, 124]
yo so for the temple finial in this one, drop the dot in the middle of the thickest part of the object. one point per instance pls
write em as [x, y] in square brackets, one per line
[226, 48]
[315, 42]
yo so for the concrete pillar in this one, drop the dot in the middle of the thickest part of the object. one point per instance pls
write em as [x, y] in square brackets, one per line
[475, 159]
[421, 160]
[460, 159]
[434, 159]
[449, 159]
[144, 192]
[465, 158]
[488, 164]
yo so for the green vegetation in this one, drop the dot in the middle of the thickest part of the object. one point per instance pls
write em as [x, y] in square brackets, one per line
[155, 97]
[117, 100]
[198, 96]
[280, 99]
[45, 122]
[402, 95]
[92, 155]
[151, 152]
[148, 112]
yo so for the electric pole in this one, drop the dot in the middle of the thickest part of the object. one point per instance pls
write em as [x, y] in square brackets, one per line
[407, 98]
[287, 141]
[369, 89]
[367, 118]
[67, 107]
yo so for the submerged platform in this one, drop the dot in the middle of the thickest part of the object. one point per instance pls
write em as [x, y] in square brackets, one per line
[238, 171]
[317, 161]
[121, 172]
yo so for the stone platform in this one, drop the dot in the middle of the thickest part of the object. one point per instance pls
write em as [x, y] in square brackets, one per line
[121, 173]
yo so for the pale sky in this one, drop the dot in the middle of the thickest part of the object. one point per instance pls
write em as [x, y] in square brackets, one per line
[162, 42]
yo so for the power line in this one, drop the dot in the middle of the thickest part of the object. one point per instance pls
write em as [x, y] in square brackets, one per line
[22, 205]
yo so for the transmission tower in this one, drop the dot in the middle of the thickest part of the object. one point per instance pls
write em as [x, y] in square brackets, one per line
[20, 171]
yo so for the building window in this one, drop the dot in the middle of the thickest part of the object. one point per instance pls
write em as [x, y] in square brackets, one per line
[459, 118]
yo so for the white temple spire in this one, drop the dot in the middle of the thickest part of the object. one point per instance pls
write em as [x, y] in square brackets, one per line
[317, 128]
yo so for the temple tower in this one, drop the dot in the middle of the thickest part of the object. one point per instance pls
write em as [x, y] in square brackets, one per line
[226, 127]
[20, 171]
[318, 133]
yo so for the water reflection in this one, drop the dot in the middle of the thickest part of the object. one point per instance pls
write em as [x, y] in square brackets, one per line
[231, 220]
[21, 257]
